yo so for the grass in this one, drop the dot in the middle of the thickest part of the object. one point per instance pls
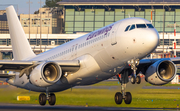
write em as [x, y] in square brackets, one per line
[146, 98]
[107, 83]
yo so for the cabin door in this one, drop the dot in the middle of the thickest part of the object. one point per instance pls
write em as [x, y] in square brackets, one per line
[113, 34]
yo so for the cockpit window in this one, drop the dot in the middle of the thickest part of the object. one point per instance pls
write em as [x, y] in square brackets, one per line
[132, 27]
[140, 25]
[150, 26]
[127, 28]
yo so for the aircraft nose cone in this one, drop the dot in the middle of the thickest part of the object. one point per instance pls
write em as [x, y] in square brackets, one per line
[152, 39]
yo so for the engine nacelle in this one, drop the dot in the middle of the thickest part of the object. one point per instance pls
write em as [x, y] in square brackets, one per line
[161, 72]
[45, 74]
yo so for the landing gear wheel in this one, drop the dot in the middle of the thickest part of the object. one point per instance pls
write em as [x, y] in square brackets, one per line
[42, 99]
[118, 98]
[133, 80]
[128, 98]
[138, 79]
[52, 99]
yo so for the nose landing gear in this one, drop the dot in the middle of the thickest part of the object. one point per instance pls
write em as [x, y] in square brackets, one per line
[134, 79]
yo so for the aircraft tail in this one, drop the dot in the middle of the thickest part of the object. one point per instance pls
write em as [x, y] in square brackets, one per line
[20, 45]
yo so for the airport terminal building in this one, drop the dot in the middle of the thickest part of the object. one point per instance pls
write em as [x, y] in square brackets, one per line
[83, 16]
[89, 15]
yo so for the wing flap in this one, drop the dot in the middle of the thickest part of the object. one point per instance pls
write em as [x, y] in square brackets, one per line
[6, 75]
[14, 65]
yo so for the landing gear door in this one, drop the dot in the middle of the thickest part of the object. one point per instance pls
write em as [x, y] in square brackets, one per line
[113, 34]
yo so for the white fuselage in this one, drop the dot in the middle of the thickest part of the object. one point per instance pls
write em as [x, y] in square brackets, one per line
[102, 54]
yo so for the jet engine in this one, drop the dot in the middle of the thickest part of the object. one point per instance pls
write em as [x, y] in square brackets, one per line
[161, 72]
[45, 74]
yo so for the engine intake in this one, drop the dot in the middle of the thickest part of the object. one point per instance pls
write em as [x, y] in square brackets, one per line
[45, 74]
[166, 70]
[51, 72]
[161, 72]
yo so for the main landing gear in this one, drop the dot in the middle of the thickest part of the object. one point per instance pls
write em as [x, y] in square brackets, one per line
[48, 96]
[123, 95]
[51, 99]
[134, 79]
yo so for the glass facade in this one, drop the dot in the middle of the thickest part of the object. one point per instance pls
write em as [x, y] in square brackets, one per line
[89, 19]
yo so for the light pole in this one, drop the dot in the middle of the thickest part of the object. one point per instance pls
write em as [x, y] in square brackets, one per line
[40, 23]
[36, 19]
[163, 29]
[48, 22]
[29, 19]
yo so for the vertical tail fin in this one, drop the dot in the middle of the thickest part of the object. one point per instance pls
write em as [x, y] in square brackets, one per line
[20, 45]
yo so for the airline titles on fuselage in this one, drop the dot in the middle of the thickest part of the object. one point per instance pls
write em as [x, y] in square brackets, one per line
[96, 33]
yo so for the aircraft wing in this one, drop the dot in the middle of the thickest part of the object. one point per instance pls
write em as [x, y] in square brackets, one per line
[147, 62]
[6, 75]
[150, 61]
[23, 66]
[175, 60]
[14, 65]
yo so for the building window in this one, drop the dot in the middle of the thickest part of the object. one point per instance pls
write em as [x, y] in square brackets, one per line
[54, 22]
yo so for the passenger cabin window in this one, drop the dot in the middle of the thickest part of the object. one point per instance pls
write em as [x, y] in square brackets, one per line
[72, 48]
[150, 26]
[127, 28]
[132, 27]
[140, 25]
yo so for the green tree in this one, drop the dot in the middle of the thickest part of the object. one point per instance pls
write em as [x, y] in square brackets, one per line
[51, 3]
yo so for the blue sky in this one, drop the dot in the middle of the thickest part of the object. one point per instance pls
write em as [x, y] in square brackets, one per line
[21, 5]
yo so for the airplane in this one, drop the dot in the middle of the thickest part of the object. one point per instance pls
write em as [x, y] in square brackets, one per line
[118, 48]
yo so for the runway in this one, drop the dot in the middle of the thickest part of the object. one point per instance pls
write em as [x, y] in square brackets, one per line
[161, 87]
[28, 107]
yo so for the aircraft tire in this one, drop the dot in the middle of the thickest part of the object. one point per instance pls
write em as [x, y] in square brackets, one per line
[52, 99]
[138, 79]
[133, 80]
[42, 99]
[118, 98]
[128, 98]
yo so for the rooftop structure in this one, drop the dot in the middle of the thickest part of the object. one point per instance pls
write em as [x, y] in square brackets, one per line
[45, 21]
[119, 2]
